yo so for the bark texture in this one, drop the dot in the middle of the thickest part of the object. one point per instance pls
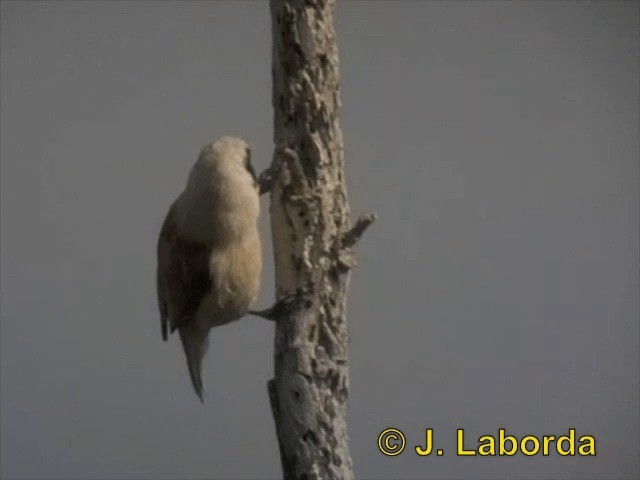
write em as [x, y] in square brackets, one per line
[312, 241]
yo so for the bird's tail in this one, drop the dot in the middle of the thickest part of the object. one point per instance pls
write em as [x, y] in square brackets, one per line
[195, 342]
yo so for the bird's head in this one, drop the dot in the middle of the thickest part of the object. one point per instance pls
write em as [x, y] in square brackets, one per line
[227, 156]
[221, 199]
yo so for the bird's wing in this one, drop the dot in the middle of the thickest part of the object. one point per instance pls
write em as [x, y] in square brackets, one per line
[183, 276]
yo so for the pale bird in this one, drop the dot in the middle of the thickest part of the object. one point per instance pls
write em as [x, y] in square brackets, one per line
[209, 251]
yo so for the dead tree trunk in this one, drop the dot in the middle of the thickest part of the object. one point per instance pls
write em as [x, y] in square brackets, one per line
[312, 241]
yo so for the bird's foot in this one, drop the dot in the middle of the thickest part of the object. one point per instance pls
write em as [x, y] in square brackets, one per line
[285, 306]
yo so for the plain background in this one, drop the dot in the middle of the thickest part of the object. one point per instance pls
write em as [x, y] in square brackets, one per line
[498, 142]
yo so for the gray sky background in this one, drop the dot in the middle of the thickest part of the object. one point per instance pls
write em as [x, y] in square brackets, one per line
[498, 141]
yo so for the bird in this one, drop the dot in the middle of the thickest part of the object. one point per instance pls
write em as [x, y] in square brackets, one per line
[209, 250]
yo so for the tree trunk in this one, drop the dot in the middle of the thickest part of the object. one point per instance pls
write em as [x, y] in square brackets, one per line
[312, 243]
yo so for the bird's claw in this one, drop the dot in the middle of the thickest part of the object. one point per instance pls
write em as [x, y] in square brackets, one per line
[285, 306]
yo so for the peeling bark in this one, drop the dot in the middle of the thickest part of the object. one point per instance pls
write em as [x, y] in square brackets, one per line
[312, 241]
